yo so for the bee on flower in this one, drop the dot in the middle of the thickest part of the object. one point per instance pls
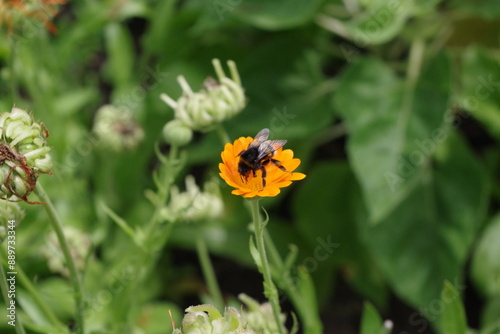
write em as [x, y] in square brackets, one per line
[258, 166]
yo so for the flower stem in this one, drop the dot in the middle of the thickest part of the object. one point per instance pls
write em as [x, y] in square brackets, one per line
[209, 274]
[75, 280]
[26, 283]
[310, 319]
[3, 286]
[222, 133]
[269, 288]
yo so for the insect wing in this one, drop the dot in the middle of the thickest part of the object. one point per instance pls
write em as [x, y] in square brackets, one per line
[276, 144]
[268, 148]
[259, 138]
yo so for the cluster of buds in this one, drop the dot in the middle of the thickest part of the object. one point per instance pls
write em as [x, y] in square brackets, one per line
[217, 101]
[194, 204]
[79, 245]
[117, 129]
[23, 154]
[260, 317]
[205, 319]
[10, 212]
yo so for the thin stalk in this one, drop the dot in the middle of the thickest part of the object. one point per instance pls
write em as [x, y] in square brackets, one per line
[167, 173]
[3, 286]
[152, 239]
[415, 61]
[75, 279]
[209, 273]
[223, 136]
[13, 77]
[26, 283]
[269, 288]
[310, 320]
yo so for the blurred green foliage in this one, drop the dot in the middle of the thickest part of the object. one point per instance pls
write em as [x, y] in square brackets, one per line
[392, 106]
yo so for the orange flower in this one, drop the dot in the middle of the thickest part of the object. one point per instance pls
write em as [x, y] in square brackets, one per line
[253, 186]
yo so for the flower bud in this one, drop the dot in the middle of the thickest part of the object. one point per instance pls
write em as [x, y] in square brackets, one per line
[10, 213]
[176, 133]
[23, 153]
[259, 317]
[203, 319]
[117, 129]
[214, 103]
[79, 246]
[194, 204]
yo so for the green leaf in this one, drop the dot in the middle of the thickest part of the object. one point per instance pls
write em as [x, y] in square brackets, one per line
[453, 319]
[325, 207]
[391, 140]
[485, 263]
[213, 313]
[371, 322]
[490, 323]
[271, 15]
[255, 254]
[307, 292]
[120, 55]
[486, 8]
[380, 22]
[426, 239]
[480, 83]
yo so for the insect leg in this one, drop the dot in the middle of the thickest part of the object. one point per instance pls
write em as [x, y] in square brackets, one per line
[278, 164]
[264, 173]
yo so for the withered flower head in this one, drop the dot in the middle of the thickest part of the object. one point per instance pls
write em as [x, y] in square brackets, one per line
[12, 12]
[23, 154]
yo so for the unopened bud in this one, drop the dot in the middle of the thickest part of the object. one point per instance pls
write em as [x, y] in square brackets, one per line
[217, 101]
[176, 133]
[117, 129]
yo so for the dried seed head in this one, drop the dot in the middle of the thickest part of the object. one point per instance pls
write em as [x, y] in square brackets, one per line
[23, 154]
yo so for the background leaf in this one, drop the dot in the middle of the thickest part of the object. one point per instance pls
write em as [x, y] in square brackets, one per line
[425, 240]
[452, 320]
[485, 264]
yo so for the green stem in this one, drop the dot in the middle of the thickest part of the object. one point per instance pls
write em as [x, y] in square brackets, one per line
[223, 136]
[75, 279]
[415, 60]
[310, 320]
[209, 274]
[3, 286]
[13, 77]
[168, 173]
[269, 288]
[154, 238]
[25, 281]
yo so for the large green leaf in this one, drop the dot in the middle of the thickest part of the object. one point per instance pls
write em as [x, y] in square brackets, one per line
[273, 15]
[425, 240]
[380, 22]
[486, 8]
[390, 138]
[452, 319]
[485, 265]
[324, 207]
[120, 54]
[371, 322]
[480, 85]
[490, 322]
